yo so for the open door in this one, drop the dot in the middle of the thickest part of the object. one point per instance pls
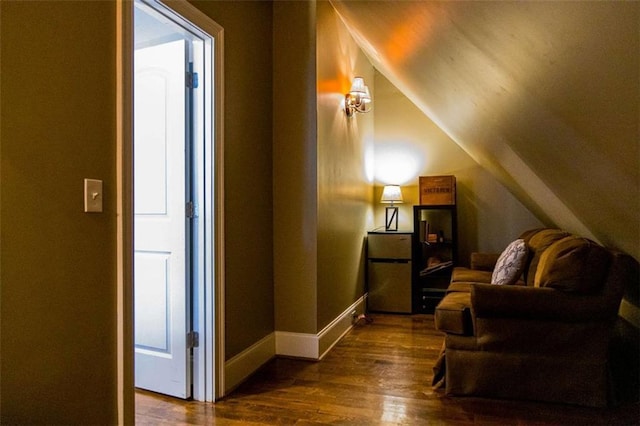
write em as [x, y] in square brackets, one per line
[161, 259]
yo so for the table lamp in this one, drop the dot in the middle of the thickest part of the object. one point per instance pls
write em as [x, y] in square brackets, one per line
[391, 194]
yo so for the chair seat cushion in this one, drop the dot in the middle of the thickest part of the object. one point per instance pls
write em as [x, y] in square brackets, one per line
[453, 314]
[460, 286]
[470, 275]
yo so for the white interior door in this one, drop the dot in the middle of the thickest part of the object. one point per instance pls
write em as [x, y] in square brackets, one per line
[162, 361]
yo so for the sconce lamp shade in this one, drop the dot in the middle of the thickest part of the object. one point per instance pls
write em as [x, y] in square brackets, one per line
[358, 86]
[366, 97]
[358, 99]
[391, 194]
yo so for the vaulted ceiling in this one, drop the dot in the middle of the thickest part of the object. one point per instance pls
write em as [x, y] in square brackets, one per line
[544, 95]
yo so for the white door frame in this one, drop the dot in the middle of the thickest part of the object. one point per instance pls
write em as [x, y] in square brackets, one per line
[209, 378]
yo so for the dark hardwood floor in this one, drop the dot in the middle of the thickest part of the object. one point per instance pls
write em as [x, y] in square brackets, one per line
[378, 374]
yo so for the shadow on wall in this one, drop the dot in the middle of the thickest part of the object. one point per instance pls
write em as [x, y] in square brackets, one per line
[467, 222]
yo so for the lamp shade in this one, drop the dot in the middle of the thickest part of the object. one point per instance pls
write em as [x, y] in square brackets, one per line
[358, 86]
[366, 97]
[391, 194]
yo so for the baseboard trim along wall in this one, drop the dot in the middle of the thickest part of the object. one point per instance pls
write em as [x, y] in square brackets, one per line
[241, 366]
[315, 346]
[297, 345]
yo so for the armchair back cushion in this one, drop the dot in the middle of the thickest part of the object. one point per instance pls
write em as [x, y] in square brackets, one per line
[538, 242]
[573, 264]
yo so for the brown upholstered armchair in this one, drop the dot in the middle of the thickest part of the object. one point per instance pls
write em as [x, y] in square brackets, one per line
[546, 339]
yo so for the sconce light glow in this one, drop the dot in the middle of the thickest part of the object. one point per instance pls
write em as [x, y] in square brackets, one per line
[397, 163]
[369, 162]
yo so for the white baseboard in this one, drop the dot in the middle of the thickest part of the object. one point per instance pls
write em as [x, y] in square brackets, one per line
[298, 345]
[241, 366]
[332, 333]
[315, 346]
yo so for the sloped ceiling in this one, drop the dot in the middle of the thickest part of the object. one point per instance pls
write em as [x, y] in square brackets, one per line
[544, 95]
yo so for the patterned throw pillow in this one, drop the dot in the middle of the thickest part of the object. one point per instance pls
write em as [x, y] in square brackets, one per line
[510, 264]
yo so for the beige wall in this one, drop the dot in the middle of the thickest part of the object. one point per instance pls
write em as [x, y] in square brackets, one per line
[248, 64]
[408, 145]
[58, 330]
[322, 194]
[344, 186]
[295, 223]
[58, 264]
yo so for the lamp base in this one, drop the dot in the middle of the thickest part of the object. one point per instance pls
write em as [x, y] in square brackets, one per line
[391, 219]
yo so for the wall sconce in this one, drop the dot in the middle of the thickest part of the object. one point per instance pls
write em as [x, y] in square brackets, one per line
[391, 194]
[358, 99]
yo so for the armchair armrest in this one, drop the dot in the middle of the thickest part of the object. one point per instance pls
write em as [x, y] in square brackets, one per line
[540, 321]
[484, 261]
[518, 302]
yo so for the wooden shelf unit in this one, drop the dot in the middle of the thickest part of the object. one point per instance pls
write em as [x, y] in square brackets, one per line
[434, 255]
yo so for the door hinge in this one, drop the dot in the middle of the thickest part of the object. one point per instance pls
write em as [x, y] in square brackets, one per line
[193, 340]
[192, 80]
[190, 210]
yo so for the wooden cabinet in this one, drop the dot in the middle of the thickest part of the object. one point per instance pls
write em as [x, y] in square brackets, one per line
[434, 254]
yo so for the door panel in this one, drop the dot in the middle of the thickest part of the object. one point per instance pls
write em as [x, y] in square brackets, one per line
[162, 362]
[151, 140]
[152, 302]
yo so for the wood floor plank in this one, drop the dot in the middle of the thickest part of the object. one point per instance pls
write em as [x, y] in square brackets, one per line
[378, 374]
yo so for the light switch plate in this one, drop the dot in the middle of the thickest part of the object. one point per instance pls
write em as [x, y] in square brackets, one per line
[92, 196]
